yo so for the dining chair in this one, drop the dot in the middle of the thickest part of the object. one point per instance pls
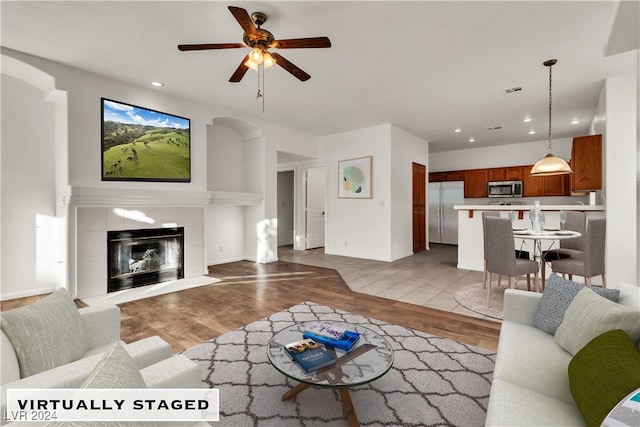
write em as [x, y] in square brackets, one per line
[501, 254]
[591, 262]
[576, 221]
[484, 233]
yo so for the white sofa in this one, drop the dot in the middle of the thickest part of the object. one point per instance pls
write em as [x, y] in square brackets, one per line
[101, 326]
[531, 381]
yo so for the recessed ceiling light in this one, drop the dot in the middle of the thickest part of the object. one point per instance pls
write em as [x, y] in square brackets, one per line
[457, 130]
[531, 132]
[157, 84]
[472, 139]
[575, 121]
[526, 119]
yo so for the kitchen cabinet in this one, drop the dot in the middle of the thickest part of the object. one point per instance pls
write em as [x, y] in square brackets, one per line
[496, 174]
[513, 173]
[586, 162]
[554, 185]
[454, 176]
[446, 176]
[436, 176]
[475, 182]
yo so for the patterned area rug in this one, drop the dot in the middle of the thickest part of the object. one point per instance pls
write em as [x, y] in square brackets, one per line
[434, 381]
[474, 297]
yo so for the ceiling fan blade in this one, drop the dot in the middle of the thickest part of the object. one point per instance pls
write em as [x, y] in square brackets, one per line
[207, 46]
[293, 69]
[304, 43]
[243, 18]
[240, 71]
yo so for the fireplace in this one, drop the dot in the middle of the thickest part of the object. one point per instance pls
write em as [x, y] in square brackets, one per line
[143, 257]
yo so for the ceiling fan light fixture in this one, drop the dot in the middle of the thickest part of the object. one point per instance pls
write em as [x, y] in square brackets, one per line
[268, 60]
[256, 55]
[249, 63]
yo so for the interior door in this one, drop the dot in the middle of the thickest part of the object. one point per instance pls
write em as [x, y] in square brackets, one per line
[314, 212]
[419, 207]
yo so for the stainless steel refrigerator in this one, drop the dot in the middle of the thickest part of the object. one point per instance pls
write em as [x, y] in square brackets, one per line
[443, 219]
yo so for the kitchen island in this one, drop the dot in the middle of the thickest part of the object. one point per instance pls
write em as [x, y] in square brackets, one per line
[470, 238]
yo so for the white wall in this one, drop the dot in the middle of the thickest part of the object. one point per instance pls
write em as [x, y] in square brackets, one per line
[526, 153]
[406, 149]
[621, 145]
[381, 227]
[29, 236]
[359, 227]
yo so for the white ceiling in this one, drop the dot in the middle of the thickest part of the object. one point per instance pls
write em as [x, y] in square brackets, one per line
[425, 66]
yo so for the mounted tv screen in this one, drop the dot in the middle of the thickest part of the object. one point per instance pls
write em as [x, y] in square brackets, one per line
[139, 144]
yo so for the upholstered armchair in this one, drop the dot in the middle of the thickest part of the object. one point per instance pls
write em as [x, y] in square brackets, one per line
[52, 344]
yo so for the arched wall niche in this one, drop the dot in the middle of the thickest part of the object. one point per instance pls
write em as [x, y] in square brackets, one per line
[236, 180]
[40, 202]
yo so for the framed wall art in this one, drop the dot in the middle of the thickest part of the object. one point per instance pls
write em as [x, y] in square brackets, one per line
[140, 144]
[355, 179]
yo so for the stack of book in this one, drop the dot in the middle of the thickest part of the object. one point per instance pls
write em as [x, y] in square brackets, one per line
[309, 355]
[332, 335]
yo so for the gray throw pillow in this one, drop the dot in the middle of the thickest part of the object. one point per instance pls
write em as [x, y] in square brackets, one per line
[116, 369]
[558, 294]
[45, 334]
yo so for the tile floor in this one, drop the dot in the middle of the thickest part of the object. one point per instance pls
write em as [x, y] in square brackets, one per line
[429, 278]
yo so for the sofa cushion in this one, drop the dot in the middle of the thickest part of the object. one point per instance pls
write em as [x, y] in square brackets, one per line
[590, 315]
[602, 373]
[556, 297]
[45, 334]
[530, 358]
[116, 369]
[512, 405]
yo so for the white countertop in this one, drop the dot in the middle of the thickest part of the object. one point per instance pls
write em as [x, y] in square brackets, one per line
[527, 207]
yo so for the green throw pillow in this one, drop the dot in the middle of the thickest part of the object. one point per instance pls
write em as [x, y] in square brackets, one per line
[603, 373]
[45, 334]
[590, 315]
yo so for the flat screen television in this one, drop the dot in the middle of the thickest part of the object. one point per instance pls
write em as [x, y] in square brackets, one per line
[140, 144]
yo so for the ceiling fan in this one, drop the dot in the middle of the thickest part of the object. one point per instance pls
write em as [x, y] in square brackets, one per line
[260, 41]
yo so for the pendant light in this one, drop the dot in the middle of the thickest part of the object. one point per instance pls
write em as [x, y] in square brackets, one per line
[550, 164]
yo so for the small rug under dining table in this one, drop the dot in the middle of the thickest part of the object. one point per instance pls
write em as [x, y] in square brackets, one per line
[433, 381]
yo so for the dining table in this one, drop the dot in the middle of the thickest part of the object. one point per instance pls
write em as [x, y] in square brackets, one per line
[547, 234]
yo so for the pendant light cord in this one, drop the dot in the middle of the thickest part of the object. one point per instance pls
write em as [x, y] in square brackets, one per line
[549, 149]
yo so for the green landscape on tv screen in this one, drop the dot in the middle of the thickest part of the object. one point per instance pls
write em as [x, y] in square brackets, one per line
[139, 144]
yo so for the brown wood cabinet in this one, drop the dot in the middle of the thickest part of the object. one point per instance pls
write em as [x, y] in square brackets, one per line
[446, 176]
[555, 185]
[496, 174]
[586, 162]
[513, 173]
[475, 182]
[454, 176]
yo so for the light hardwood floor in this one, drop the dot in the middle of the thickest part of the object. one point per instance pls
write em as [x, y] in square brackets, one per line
[249, 291]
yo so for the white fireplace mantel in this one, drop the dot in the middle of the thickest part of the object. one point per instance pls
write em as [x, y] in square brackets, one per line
[91, 196]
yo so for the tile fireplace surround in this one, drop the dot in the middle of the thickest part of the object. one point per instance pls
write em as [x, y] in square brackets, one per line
[93, 222]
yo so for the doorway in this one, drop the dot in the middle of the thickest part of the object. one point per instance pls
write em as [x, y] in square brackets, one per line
[314, 199]
[285, 208]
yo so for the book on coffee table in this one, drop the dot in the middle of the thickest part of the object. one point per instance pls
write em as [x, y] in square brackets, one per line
[347, 340]
[309, 354]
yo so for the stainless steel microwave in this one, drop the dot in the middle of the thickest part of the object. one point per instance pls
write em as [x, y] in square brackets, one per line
[504, 189]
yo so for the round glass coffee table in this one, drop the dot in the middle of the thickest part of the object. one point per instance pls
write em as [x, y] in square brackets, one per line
[371, 358]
